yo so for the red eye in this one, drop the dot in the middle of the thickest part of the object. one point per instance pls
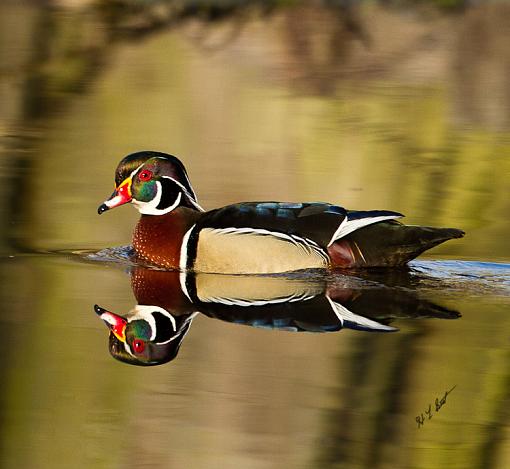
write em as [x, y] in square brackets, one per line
[138, 345]
[145, 175]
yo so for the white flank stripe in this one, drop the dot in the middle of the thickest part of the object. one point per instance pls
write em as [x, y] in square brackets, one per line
[348, 226]
[343, 314]
[306, 244]
[183, 261]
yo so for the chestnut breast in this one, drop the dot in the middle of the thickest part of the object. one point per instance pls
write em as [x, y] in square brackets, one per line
[160, 288]
[158, 239]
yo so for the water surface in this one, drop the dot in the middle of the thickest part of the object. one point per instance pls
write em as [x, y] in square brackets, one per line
[369, 108]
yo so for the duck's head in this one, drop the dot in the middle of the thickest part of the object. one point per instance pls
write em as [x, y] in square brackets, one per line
[147, 335]
[156, 184]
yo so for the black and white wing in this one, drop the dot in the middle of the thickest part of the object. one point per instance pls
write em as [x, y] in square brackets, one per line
[319, 222]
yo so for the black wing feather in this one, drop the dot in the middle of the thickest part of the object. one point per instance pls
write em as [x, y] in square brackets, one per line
[317, 221]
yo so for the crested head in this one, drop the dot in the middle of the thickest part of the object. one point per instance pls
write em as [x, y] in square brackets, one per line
[156, 183]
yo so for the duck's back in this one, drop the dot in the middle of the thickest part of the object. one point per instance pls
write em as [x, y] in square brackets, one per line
[271, 237]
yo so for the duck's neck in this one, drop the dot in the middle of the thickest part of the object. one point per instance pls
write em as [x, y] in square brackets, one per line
[157, 238]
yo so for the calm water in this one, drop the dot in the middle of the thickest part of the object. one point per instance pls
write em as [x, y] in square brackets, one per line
[376, 107]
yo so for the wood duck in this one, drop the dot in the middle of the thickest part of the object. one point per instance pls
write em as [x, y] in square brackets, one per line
[147, 335]
[175, 232]
[152, 332]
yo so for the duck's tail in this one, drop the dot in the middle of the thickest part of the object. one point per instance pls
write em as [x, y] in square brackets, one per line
[388, 243]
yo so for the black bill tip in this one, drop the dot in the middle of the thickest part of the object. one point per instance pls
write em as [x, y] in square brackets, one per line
[102, 208]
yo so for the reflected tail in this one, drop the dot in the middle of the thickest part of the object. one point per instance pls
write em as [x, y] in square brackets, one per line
[351, 320]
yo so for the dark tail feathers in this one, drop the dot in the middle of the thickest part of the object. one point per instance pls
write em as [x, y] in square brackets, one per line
[390, 243]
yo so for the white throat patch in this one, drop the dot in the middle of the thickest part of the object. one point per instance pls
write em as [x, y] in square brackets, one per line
[150, 208]
[145, 312]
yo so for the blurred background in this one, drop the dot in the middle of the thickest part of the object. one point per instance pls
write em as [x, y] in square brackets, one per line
[390, 104]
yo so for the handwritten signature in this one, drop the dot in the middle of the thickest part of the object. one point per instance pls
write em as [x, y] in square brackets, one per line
[420, 419]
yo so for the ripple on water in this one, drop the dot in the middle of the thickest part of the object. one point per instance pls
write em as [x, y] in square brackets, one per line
[121, 254]
[475, 277]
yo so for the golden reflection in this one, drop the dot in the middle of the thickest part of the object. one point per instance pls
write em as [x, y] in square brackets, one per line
[152, 332]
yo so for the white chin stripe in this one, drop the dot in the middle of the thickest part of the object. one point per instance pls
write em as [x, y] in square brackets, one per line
[145, 312]
[348, 226]
[149, 208]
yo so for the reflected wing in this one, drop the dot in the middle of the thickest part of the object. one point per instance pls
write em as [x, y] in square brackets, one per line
[243, 290]
[275, 302]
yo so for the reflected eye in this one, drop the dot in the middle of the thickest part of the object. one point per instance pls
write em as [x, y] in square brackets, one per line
[145, 175]
[138, 345]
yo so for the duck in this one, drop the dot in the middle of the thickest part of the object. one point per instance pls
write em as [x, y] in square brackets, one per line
[152, 332]
[174, 231]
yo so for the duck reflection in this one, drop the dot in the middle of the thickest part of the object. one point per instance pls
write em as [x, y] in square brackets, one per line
[152, 332]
